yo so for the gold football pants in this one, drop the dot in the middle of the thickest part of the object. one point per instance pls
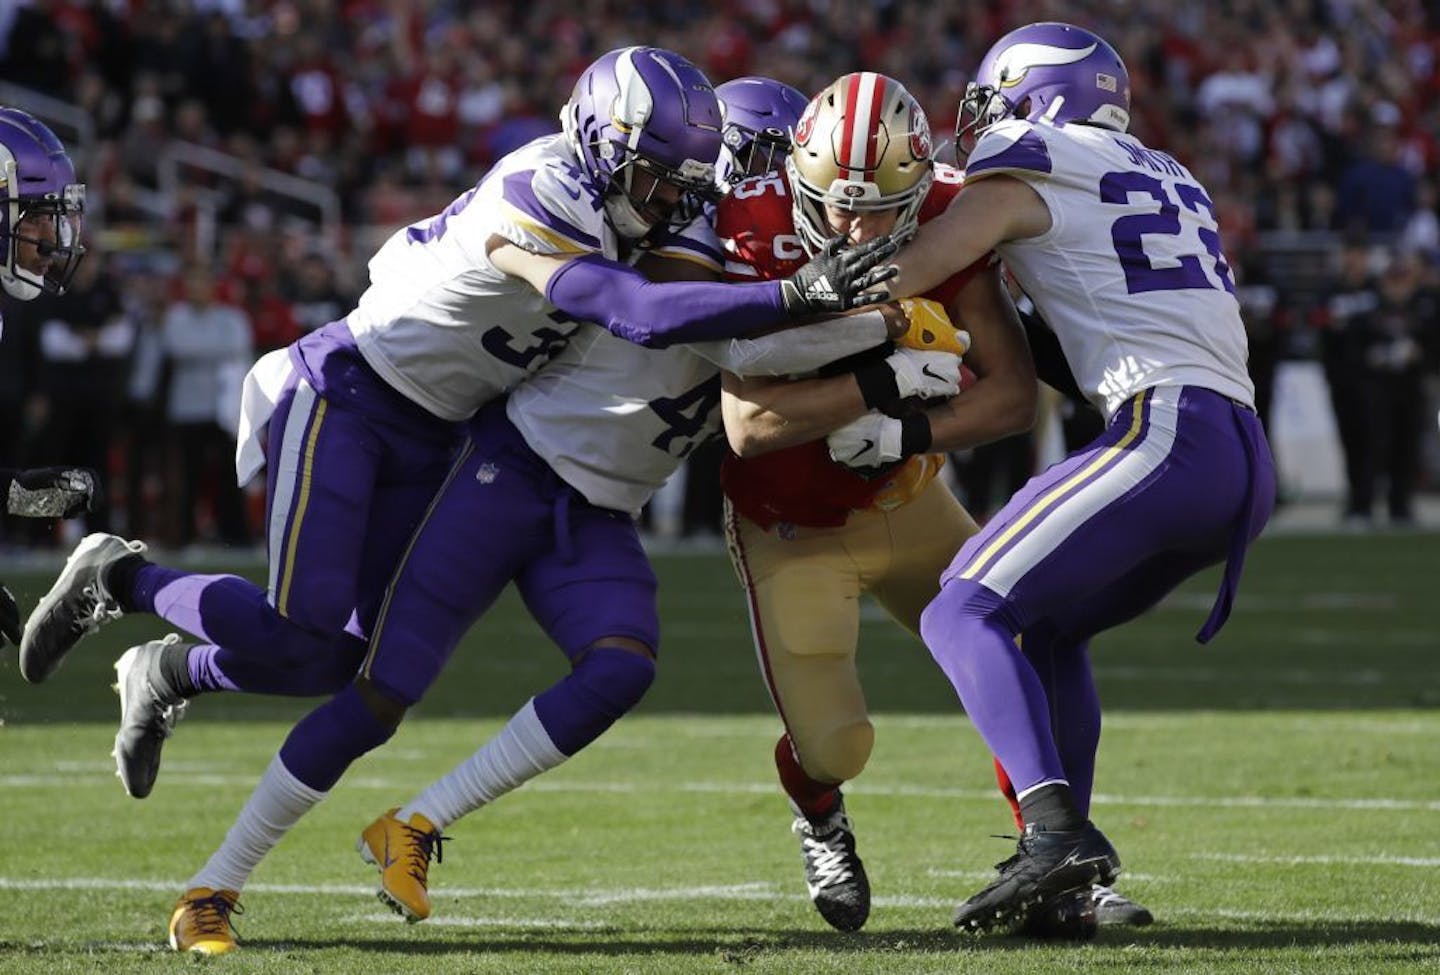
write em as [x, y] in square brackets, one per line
[803, 587]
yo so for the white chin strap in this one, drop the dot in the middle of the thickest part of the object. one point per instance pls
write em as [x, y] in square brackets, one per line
[625, 218]
[18, 289]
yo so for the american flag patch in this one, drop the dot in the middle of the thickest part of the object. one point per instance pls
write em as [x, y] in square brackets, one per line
[1105, 82]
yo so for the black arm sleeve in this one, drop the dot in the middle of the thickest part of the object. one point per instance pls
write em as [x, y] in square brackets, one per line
[1050, 364]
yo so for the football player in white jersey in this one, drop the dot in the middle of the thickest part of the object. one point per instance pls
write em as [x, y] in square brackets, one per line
[1117, 245]
[356, 423]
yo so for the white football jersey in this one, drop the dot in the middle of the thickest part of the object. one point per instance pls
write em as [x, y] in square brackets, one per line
[446, 328]
[615, 419]
[1130, 275]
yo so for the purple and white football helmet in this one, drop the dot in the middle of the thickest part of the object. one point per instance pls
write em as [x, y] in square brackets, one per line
[645, 108]
[1049, 71]
[41, 208]
[760, 114]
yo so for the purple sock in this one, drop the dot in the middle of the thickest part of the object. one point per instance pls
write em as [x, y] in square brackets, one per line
[604, 685]
[965, 632]
[327, 740]
[1064, 671]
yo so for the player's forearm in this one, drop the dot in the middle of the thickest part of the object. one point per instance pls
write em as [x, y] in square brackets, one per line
[762, 416]
[655, 315]
[990, 409]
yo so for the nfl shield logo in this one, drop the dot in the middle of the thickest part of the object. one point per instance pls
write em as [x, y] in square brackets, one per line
[487, 472]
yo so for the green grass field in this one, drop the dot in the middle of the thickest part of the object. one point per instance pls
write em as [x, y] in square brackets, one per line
[1275, 796]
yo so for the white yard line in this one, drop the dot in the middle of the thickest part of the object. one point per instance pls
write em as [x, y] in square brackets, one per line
[894, 790]
[631, 895]
[1379, 860]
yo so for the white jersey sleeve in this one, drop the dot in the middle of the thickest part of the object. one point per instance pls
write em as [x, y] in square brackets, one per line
[442, 324]
[799, 350]
[1131, 275]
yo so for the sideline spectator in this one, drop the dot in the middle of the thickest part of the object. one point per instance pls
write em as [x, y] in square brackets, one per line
[209, 349]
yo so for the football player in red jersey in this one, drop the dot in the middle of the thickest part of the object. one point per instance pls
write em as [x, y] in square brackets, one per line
[808, 535]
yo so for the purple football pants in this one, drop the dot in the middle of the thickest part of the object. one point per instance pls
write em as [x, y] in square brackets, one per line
[504, 516]
[350, 469]
[1181, 479]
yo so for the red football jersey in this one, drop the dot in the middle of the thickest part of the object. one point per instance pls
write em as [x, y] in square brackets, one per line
[801, 484]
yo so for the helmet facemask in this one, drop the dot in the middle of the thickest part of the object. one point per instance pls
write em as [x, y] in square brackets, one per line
[754, 152]
[981, 108]
[40, 246]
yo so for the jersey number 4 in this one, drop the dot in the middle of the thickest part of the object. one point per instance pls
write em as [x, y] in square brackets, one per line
[686, 417]
[1129, 232]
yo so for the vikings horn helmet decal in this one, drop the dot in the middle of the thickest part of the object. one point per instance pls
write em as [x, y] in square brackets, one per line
[1046, 72]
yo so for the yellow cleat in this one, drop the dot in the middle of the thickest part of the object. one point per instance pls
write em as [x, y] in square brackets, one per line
[930, 328]
[402, 852]
[201, 921]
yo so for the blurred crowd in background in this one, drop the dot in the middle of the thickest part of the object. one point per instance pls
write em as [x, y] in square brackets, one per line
[245, 157]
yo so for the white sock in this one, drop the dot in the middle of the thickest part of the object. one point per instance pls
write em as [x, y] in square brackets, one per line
[521, 751]
[273, 808]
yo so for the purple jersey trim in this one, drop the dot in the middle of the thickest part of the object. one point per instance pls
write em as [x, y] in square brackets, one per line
[518, 192]
[1026, 154]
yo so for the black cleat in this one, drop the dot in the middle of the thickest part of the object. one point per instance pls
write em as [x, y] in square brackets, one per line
[1046, 864]
[78, 604]
[1069, 917]
[1115, 909]
[834, 874]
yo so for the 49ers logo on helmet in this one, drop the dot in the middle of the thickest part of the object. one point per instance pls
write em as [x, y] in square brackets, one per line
[806, 126]
[920, 146]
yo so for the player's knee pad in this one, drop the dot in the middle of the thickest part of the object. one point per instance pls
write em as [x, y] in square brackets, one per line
[958, 602]
[387, 709]
[614, 679]
[605, 684]
[836, 754]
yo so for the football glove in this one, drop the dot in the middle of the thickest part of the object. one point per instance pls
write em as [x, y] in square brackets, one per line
[930, 328]
[839, 277]
[9, 618]
[52, 492]
[868, 445]
[925, 374]
[907, 374]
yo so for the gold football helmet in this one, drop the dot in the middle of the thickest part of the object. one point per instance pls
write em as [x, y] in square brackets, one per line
[862, 144]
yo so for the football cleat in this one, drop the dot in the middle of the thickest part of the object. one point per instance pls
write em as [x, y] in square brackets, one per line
[1114, 908]
[1046, 864]
[1069, 917]
[78, 604]
[402, 852]
[834, 874]
[201, 921]
[149, 711]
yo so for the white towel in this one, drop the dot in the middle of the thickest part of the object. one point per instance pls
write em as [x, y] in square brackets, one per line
[258, 396]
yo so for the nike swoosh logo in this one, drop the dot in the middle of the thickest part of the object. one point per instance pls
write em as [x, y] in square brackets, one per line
[388, 860]
[925, 370]
[861, 452]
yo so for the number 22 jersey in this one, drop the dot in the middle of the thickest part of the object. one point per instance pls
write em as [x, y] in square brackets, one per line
[1130, 275]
